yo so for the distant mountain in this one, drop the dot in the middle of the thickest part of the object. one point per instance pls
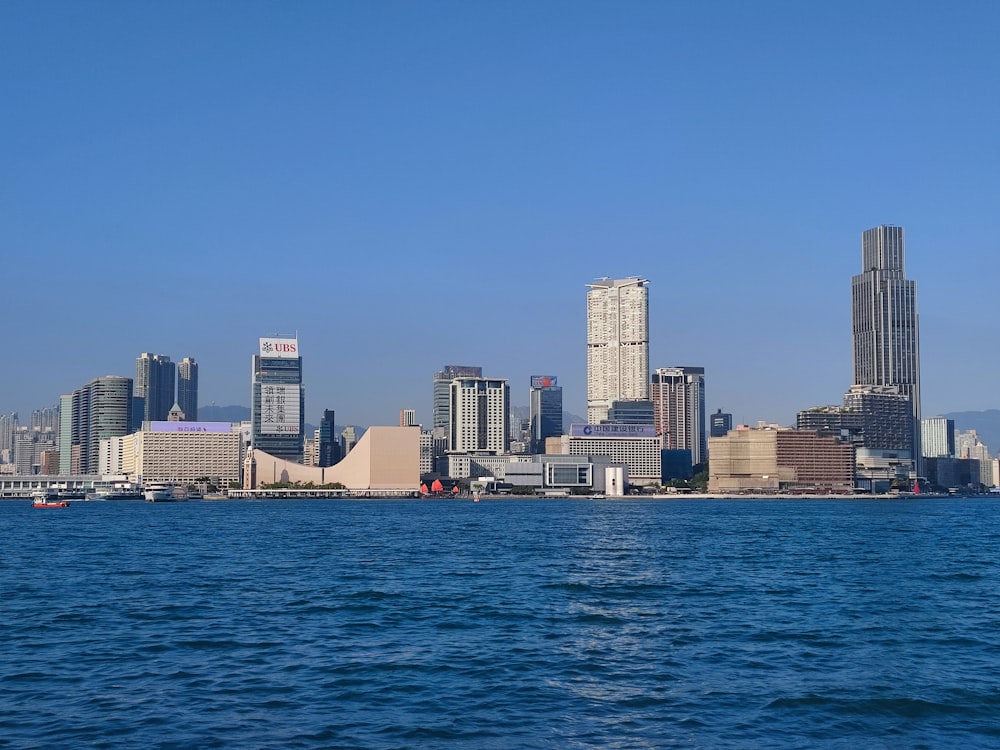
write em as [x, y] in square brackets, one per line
[215, 413]
[985, 423]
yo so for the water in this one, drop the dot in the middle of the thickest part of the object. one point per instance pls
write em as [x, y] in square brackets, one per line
[538, 624]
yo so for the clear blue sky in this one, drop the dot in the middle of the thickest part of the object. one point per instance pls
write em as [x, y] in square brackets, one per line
[411, 184]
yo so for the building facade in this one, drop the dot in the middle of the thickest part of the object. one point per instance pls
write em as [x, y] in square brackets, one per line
[442, 390]
[937, 437]
[678, 395]
[278, 399]
[617, 344]
[101, 409]
[782, 460]
[884, 323]
[187, 388]
[478, 416]
[720, 423]
[545, 410]
[154, 387]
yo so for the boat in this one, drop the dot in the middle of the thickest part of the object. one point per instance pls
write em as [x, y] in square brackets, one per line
[159, 492]
[47, 499]
[119, 491]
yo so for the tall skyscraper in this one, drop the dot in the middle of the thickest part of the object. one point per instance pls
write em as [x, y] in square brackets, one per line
[154, 387]
[479, 408]
[278, 399]
[544, 410]
[187, 388]
[617, 344]
[65, 434]
[327, 445]
[442, 390]
[679, 410]
[101, 409]
[884, 322]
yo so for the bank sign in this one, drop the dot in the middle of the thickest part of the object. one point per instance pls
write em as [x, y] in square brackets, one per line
[279, 409]
[279, 348]
[612, 430]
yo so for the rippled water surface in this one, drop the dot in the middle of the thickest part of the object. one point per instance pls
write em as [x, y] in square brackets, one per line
[562, 623]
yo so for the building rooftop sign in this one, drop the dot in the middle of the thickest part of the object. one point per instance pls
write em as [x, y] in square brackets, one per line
[612, 430]
[274, 348]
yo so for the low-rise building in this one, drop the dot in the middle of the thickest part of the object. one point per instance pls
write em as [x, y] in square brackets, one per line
[780, 460]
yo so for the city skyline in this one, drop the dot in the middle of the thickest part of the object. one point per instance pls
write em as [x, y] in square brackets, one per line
[405, 161]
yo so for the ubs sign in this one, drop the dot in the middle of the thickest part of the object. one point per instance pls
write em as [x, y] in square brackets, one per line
[279, 348]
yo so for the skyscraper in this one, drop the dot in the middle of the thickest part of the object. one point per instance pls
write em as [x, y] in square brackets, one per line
[544, 410]
[442, 389]
[479, 408]
[187, 388]
[617, 344]
[884, 322]
[679, 410]
[154, 388]
[278, 399]
[101, 409]
[937, 437]
[327, 445]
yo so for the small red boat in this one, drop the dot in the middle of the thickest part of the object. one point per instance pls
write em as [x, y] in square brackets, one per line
[48, 500]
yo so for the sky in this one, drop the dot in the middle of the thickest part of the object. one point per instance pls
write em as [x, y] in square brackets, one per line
[407, 185]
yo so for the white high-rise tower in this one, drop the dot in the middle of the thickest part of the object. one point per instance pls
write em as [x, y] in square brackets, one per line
[617, 344]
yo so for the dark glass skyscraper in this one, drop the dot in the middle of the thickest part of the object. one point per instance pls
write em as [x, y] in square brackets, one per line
[278, 399]
[545, 410]
[154, 388]
[884, 322]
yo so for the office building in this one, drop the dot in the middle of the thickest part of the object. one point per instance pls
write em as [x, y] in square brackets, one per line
[278, 399]
[327, 447]
[47, 419]
[442, 390]
[545, 410]
[478, 416]
[617, 344]
[937, 437]
[8, 426]
[154, 387]
[635, 446]
[884, 324]
[348, 439]
[631, 412]
[678, 395]
[187, 388]
[720, 423]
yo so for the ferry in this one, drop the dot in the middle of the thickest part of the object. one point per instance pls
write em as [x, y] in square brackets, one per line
[159, 492]
[119, 491]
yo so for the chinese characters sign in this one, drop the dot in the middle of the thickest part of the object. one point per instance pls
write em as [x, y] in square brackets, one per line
[279, 409]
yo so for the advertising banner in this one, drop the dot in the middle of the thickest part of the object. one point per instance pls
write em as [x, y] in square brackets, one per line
[279, 409]
[612, 430]
[543, 381]
[279, 348]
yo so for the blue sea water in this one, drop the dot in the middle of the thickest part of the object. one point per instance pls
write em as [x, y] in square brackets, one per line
[502, 624]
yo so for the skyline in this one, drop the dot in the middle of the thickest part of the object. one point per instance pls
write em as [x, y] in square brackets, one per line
[166, 162]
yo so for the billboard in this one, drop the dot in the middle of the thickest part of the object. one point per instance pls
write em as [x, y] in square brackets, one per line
[279, 348]
[612, 430]
[279, 409]
[191, 426]
[543, 381]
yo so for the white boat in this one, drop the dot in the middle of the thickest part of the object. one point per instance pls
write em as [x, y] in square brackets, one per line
[119, 491]
[159, 492]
